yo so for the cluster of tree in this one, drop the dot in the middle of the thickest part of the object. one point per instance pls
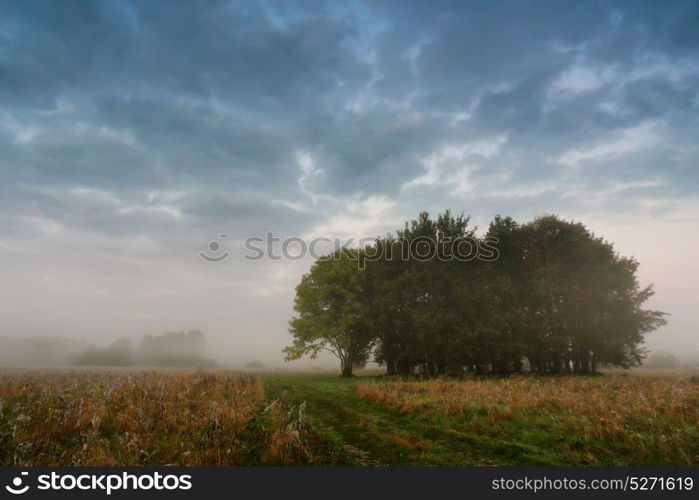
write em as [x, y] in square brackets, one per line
[169, 349]
[118, 353]
[552, 298]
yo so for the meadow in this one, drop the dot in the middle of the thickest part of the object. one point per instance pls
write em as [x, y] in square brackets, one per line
[573, 420]
[150, 417]
[145, 418]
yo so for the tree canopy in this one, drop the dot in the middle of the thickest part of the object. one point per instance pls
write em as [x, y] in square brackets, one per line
[330, 302]
[547, 296]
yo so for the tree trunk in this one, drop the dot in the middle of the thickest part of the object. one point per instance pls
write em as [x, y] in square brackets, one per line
[585, 362]
[346, 367]
[557, 365]
[405, 368]
[518, 365]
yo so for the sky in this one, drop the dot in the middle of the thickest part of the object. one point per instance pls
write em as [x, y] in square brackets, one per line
[133, 134]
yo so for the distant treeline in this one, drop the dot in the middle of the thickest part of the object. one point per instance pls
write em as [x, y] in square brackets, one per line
[170, 349]
[546, 296]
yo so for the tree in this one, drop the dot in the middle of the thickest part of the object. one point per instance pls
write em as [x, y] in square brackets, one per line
[330, 305]
[584, 297]
[174, 349]
[118, 353]
[416, 289]
[556, 300]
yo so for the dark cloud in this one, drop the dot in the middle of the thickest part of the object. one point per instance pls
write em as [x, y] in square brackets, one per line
[214, 94]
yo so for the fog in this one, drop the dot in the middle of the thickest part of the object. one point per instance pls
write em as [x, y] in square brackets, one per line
[126, 148]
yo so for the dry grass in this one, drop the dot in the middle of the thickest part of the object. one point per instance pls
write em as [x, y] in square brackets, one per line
[143, 418]
[286, 442]
[643, 420]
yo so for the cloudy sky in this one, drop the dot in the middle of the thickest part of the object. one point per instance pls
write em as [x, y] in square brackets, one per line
[134, 133]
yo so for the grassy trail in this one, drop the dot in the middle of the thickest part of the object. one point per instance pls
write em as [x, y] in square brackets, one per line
[356, 432]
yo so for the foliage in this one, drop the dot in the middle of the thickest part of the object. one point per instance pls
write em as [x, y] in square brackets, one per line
[329, 304]
[550, 297]
[116, 354]
[168, 349]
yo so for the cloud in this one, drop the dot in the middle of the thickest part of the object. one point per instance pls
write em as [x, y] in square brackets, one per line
[449, 166]
[362, 218]
[581, 79]
[642, 136]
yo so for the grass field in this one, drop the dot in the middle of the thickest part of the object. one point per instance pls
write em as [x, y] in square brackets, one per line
[219, 418]
[145, 418]
[582, 421]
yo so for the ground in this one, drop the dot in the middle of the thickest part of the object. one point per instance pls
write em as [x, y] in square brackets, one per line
[219, 417]
[656, 422]
[357, 432]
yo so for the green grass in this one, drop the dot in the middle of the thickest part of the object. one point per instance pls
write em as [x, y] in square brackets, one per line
[356, 432]
[349, 430]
